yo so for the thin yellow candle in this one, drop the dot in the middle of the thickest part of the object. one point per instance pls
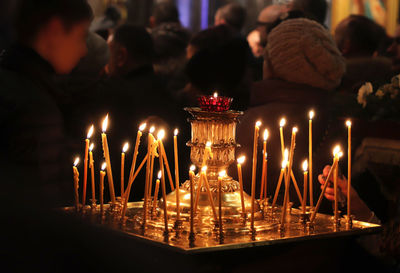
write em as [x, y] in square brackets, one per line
[101, 190]
[191, 177]
[108, 161]
[156, 192]
[164, 155]
[153, 154]
[205, 180]
[164, 192]
[335, 194]
[264, 167]
[76, 183]
[240, 161]
[281, 125]
[221, 175]
[199, 185]
[150, 141]
[278, 186]
[337, 154]
[136, 151]
[85, 164]
[310, 146]
[124, 149]
[305, 188]
[348, 124]
[176, 174]
[207, 153]
[91, 167]
[254, 171]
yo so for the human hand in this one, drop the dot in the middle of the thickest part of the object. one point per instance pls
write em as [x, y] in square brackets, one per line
[329, 191]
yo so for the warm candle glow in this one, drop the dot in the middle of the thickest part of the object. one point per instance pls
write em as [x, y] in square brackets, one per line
[105, 124]
[176, 131]
[91, 147]
[336, 150]
[222, 173]
[266, 134]
[266, 156]
[286, 155]
[152, 129]
[241, 159]
[76, 162]
[305, 165]
[311, 114]
[204, 169]
[295, 130]
[103, 166]
[215, 95]
[159, 174]
[90, 132]
[208, 144]
[161, 134]
[258, 123]
[284, 164]
[142, 126]
[125, 148]
[348, 123]
[192, 168]
[282, 122]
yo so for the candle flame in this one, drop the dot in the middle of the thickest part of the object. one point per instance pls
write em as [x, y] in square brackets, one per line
[159, 175]
[192, 168]
[282, 122]
[105, 124]
[204, 169]
[76, 162]
[90, 132]
[103, 166]
[294, 130]
[208, 144]
[142, 126]
[284, 163]
[91, 147]
[266, 134]
[222, 173]
[305, 165]
[348, 123]
[336, 150]
[340, 154]
[286, 154]
[161, 134]
[215, 95]
[311, 114]
[266, 156]
[125, 148]
[176, 131]
[258, 123]
[241, 159]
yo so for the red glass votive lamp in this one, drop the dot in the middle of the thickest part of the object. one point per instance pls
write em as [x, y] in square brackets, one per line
[214, 103]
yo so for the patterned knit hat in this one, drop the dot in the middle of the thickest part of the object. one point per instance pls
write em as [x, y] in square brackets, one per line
[302, 51]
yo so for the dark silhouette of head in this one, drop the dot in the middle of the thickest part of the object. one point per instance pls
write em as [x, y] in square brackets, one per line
[164, 12]
[232, 14]
[130, 47]
[358, 36]
[313, 9]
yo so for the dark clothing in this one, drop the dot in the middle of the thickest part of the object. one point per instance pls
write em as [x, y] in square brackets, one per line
[32, 128]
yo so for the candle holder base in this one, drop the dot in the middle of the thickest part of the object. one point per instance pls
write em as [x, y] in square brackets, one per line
[93, 204]
[349, 221]
[305, 217]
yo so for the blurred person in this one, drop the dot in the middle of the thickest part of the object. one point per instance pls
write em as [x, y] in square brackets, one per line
[233, 15]
[104, 25]
[394, 51]
[359, 39]
[254, 40]
[302, 68]
[164, 12]
[268, 16]
[313, 9]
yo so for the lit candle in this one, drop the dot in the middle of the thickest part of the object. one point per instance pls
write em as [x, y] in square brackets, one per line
[176, 174]
[310, 168]
[124, 149]
[337, 154]
[164, 155]
[76, 183]
[205, 179]
[264, 168]
[254, 170]
[91, 167]
[136, 151]
[164, 193]
[156, 192]
[102, 174]
[207, 153]
[348, 124]
[150, 142]
[221, 175]
[240, 161]
[107, 158]
[85, 164]
[281, 125]
[305, 188]
[199, 185]
[191, 177]
[153, 155]
[278, 186]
